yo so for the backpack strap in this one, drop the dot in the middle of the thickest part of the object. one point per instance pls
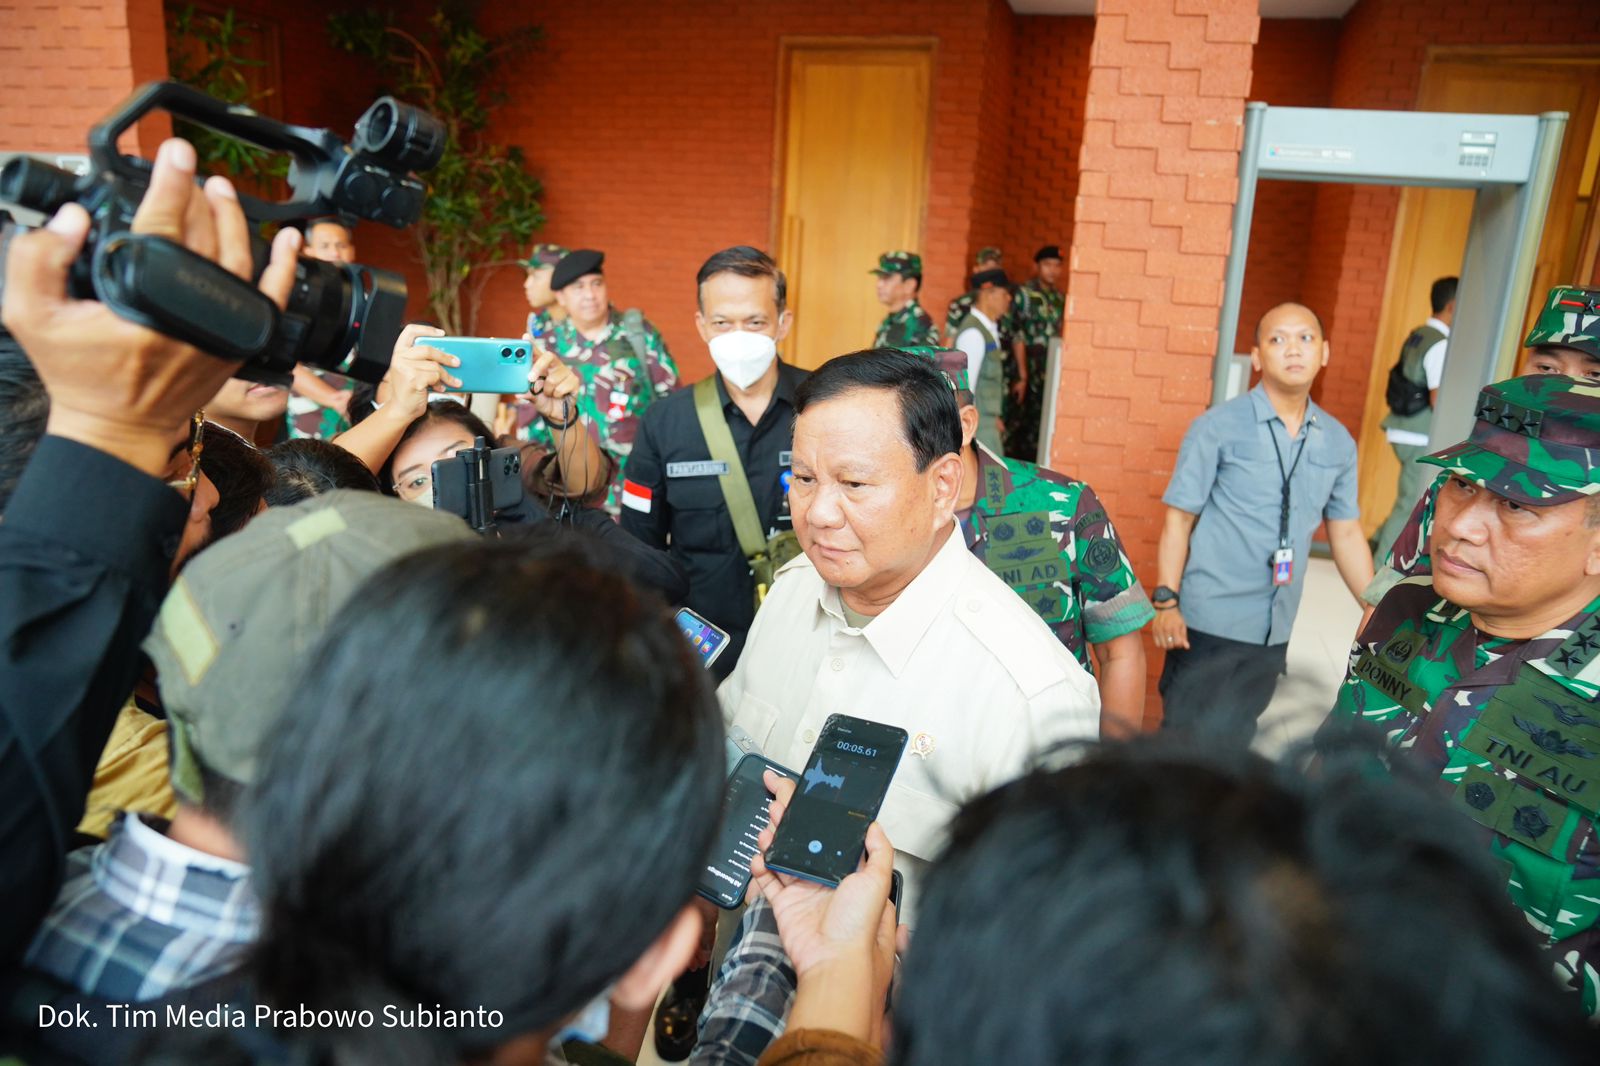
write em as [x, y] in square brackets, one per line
[735, 486]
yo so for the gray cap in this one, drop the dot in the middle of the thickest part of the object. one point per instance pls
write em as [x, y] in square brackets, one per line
[246, 613]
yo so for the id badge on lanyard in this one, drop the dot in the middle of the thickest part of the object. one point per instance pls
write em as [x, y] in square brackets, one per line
[1283, 566]
[1283, 559]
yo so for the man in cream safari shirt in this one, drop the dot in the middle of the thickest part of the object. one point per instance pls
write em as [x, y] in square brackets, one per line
[889, 617]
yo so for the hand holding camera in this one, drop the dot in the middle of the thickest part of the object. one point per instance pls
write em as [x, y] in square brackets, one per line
[117, 386]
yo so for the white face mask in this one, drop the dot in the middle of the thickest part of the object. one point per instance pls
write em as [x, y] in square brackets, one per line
[742, 356]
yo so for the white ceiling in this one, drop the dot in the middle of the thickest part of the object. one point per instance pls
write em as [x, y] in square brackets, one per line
[1270, 9]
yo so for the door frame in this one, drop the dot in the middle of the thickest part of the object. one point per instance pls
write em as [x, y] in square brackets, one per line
[1553, 56]
[788, 46]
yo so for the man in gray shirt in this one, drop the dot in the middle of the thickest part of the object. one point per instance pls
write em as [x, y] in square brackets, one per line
[1255, 477]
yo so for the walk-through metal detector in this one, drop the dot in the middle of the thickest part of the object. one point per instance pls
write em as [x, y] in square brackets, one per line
[1510, 160]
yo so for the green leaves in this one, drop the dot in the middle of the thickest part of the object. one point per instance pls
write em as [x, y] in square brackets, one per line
[483, 203]
[203, 50]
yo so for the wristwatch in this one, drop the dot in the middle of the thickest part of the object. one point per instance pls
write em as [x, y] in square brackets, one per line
[1164, 598]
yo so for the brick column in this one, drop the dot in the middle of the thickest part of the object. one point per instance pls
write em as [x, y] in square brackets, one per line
[64, 65]
[1156, 185]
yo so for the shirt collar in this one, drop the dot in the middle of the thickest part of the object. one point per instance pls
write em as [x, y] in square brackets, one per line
[162, 880]
[1440, 326]
[1265, 413]
[895, 633]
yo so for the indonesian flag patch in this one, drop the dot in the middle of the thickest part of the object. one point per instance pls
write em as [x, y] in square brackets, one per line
[636, 496]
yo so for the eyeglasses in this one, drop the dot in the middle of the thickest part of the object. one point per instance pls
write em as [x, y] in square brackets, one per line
[415, 487]
[185, 485]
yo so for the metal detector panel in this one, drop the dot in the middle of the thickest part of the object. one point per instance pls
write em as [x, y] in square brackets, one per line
[1509, 159]
[1396, 147]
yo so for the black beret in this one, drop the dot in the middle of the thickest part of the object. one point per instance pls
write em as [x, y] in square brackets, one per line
[992, 276]
[575, 265]
[1049, 251]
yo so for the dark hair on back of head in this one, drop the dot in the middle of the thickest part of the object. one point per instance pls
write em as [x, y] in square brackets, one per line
[241, 474]
[24, 409]
[929, 415]
[1162, 905]
[1441, 293]
[747, 262]
[309, 467]
[441, 411]
[480, 761]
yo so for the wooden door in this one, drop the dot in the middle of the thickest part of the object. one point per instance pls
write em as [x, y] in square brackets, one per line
[854, 166]
[1431, 228]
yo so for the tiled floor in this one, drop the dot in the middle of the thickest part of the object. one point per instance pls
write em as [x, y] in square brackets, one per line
[1319, 650]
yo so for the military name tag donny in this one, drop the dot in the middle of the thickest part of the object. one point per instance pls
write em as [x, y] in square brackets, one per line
[1386, 669]
[697, 468]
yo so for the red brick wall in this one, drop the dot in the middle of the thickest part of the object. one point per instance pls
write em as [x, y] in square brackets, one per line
[1293, 68]
[1050, 64]
[994, 184]
[1381, 56]
[64, 65]
[653, 128]
[1158, 176]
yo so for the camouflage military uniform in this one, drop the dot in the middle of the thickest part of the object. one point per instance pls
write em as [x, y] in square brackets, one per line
[1048, 537]
[306, 417]
[619, 379]
[1570, 319]
[1512, 728]
[911, 326]
[1036, 313]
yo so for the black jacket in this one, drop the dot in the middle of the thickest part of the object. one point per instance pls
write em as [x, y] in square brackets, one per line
[86, 546]
[687, 514]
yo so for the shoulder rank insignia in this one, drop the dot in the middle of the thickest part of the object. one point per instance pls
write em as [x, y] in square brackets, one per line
[1579, 649]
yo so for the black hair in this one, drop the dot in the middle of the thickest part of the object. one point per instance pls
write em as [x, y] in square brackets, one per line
[1161, 905]
[448, 411]
[1290, 303]
[916, 278]
[309, 467]
[494, 787]
[241, 474]
[930, 417]
[1442, 293]
[24, 409]
[747, 262]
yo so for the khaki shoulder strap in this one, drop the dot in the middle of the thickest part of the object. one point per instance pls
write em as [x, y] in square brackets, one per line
[735, 486]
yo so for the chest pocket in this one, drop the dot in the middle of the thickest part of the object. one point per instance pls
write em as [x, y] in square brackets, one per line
[700, 521]
[1315, 480]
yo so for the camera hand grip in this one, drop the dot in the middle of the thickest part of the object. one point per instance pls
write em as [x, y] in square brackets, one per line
[162, 285]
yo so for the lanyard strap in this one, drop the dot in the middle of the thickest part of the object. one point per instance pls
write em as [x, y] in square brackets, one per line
[1277, 453]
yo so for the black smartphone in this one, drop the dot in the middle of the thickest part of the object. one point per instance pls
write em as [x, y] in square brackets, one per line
[897, 885]
[824, 828]
[726, 874]
[478, 482]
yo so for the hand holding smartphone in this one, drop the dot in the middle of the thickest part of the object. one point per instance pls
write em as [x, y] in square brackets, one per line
[824, 827]
[745, 803]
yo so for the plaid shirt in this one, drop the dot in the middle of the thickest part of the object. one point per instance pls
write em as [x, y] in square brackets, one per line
[142, 915]
[750, 999]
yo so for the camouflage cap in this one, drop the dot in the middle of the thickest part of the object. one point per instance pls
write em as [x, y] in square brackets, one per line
[248, 611]
[903, 263]
[951, 361]
[988, 253]
[1571, 318]
[1536, 441]
[544, 255]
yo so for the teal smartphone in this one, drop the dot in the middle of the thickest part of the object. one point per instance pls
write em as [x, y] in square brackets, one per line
[488, 364]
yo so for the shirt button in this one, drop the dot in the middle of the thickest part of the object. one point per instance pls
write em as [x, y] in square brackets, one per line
[837, 664]
[809, 736]
[974, 605]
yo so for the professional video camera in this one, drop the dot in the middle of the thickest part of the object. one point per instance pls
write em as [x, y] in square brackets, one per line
[337, 311]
